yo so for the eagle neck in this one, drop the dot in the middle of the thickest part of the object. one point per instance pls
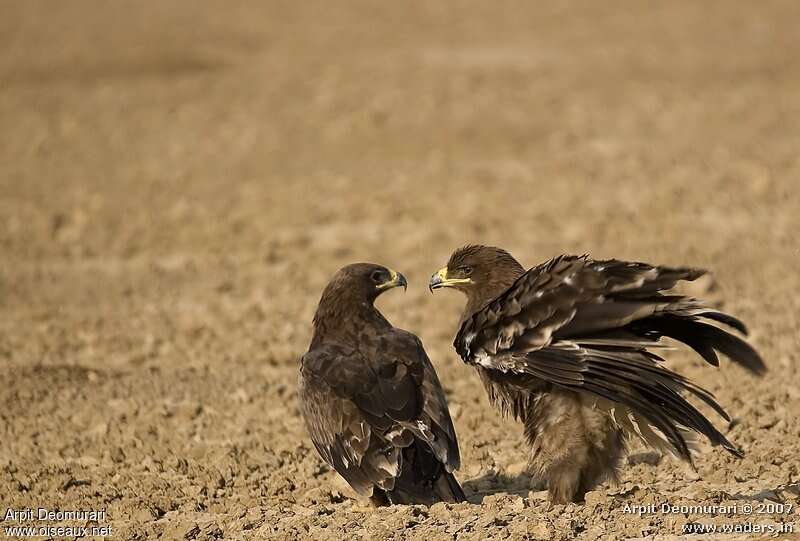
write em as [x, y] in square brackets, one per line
[480, 298]
[346, 319]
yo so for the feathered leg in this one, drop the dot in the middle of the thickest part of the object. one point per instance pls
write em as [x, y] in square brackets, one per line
[574, 446]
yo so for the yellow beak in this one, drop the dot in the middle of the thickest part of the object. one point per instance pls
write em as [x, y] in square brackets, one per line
[395, 280]
[440, 279]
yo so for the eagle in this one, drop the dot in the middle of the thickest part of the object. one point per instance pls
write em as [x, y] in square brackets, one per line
[569, 348]
[371, 400]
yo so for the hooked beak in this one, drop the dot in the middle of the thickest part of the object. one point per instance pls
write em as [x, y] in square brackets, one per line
[395, 280]
[440, 280]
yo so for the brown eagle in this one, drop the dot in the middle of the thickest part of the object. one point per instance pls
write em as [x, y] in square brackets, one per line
[567, 348]
[371, 400]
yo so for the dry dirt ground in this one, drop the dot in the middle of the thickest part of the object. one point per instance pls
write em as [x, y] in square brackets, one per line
[178, 180]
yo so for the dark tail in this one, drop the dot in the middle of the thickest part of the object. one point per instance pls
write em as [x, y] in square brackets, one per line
[704, 338]
[447, 488]
[424, 480]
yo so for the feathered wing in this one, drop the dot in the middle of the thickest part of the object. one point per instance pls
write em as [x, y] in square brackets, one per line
[379, 422]
[436, 413]
[352, 428]
[587, 326]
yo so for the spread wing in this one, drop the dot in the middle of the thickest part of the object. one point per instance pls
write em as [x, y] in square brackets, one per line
[361, 412]
[587, 325]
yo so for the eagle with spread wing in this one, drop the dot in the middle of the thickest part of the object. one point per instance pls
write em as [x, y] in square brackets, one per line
[568, 348]
[371, 400]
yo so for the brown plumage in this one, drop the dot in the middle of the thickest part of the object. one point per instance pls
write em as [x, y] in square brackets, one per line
[567, 348]
[371, 400]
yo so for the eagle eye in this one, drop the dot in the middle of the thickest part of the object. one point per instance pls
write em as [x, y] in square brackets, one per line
[466, 270]
[377, 276]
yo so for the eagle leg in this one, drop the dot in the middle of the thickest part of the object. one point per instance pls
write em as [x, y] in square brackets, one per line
[573, 445]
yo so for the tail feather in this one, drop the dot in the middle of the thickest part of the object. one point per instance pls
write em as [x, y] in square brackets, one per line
[447, 488]
[424, 480]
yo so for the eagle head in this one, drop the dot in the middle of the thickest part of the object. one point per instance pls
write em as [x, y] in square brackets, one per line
[480, 272]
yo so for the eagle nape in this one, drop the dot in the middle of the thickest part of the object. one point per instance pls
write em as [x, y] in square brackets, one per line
[572, 348]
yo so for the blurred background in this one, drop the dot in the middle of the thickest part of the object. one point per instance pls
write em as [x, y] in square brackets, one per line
[178, 181]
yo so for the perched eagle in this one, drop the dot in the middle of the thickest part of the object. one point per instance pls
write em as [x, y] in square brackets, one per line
[371, 400]
[567, 348]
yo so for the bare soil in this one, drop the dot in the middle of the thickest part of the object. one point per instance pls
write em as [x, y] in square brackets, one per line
[178, 180]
